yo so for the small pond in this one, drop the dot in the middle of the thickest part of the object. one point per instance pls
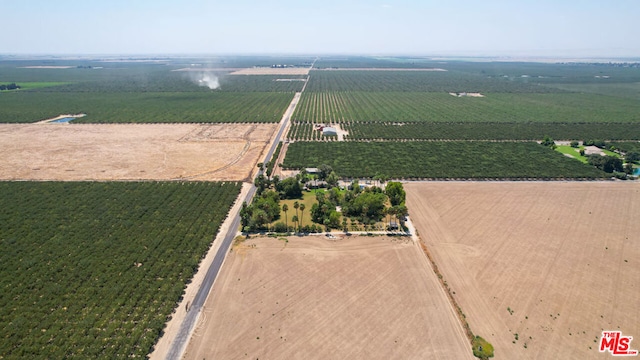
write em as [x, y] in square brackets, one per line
[63, 120]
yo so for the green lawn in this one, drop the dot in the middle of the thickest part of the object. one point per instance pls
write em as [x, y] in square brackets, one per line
[574, 152]
[308, 199]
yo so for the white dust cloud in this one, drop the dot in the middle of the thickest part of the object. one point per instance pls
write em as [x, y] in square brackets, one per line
[209, 80]
[204, 78]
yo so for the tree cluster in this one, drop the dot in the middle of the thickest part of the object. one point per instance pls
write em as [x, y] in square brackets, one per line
[11, 86]
[632, 157]
[289, 188]
[264, 210]
[367, 206]
[324, 211]
[611, 164]
[606, 163]
[597, 143]
[548, 141]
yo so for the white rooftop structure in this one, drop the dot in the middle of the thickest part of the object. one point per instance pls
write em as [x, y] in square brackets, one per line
[329, 131]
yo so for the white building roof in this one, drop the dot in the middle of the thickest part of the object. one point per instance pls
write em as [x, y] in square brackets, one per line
[329, 130]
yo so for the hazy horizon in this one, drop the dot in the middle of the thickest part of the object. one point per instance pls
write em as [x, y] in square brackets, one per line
[493, 28]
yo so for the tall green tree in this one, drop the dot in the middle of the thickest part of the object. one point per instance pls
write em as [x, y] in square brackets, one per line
[302, 207]
[289, 188]
[245, 215]
[366, 206]
[381, 178]
[632, 157]
[548, 141]
[401, 212]
[332, 179]
[285, 208]
[261, 183]
[605, 163]
[396, 193]
[303, 176]
[324, 171]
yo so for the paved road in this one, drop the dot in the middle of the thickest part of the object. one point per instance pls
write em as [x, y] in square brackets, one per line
[283, 125]
[182, 337]
[188, 324]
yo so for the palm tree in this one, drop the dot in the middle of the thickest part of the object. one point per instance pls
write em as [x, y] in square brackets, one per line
[301, 213]
[295, 220]
[296, 205]
[285, 208]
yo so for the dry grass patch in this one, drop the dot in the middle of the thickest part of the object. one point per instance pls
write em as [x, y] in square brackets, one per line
[272, 71]
[131, 151]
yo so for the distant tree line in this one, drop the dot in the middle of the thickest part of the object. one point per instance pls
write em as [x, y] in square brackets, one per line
[608, 64]
[12, 86]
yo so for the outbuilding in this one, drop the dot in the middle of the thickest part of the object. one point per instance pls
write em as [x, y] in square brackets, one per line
[329, 131]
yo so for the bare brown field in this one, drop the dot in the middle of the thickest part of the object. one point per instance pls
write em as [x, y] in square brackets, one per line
[554, 263]
[318, 298]
[203, 69]
[272, 71]
[380, 69]
[46, 67]
[131, 151]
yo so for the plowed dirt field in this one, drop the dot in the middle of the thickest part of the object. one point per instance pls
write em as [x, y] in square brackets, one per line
[319, 298]
[540, 269]
[47, 151]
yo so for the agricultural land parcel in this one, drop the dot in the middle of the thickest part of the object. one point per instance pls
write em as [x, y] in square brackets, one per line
[508, 107]
[522, 101]
[149, 93]
[129, 92]
[143, 107]
[549, 265]
[447, 159]
[94, 269]
[144, 240]
[319, 298]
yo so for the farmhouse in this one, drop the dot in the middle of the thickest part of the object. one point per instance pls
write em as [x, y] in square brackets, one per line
[316, 184]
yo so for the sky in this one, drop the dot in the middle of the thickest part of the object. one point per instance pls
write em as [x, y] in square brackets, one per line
[571, 28]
